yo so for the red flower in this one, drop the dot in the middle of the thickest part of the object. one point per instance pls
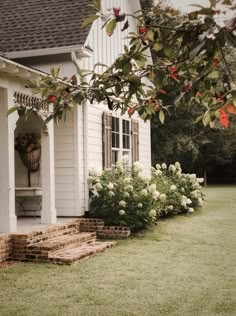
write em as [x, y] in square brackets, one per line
[116, 12]
[216, 61]
[52, 99]
[143, 29]
[231, 109]
[224, 118]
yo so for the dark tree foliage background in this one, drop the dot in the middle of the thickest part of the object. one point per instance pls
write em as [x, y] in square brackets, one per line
[208, 152]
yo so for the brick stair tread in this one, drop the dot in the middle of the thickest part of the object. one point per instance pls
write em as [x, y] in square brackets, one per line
[82, 251]
[62, 241]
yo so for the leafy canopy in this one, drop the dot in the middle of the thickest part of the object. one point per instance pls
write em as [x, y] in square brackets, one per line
[189, 68]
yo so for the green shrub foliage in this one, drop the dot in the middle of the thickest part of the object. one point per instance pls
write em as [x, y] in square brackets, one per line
[124, 197]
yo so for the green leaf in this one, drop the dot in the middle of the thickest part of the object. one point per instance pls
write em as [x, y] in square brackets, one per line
[161, 117]
[89, 20]
[111, 27]
[213, 75]
[150, 35]
[196, 5]
[158, 46]
[196, 50]
[11, 110]
[206, 118]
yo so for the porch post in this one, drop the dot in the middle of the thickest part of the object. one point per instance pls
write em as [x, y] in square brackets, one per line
[48, 213]
[8, 220]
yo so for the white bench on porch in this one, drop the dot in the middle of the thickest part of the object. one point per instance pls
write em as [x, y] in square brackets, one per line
[29, 193]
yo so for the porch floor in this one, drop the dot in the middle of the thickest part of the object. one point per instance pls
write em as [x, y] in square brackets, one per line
[29, 224]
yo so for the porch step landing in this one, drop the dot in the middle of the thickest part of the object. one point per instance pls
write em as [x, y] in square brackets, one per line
[68, 256]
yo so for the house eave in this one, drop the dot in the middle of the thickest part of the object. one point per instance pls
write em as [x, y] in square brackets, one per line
[81, 51]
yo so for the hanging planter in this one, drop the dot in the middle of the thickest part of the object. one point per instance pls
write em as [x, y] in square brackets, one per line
[29, 149]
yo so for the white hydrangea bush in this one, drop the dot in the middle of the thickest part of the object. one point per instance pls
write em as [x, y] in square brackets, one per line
[184, 192]
[124, 197]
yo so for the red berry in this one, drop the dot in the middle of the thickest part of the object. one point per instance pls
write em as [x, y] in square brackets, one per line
[116, 12]
[198, 94]
[216, 61]
[143, 29]
[172, 69]
[162, 91]
[186, 88]
[53, 99]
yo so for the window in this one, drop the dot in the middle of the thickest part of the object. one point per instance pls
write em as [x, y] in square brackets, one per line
[120, 138]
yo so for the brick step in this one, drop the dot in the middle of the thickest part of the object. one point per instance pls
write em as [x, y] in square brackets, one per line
[57, 231]
[61, 242]
[68, 256]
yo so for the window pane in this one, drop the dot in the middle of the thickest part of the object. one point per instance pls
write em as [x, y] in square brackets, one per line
[125, 126]
[115, 140]
[115, 124]
[114, 157]
[126, 142]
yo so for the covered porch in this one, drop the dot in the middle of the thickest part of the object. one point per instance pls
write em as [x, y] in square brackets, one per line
[13, 79]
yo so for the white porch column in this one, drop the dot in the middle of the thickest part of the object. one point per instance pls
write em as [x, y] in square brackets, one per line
[48, 213]
[7, 164]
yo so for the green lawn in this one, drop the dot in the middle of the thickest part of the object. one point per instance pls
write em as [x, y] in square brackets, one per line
[185, 266]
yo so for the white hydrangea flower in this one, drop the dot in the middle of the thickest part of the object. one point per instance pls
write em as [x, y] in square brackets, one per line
[126, 194]
[122, 203]
[125, 159]
[162, 197]
[127, 180]
[173, 187]
[137, 166]
[153, 213]
[177, 165]
[110, 186]
[158, 166]
[98, 186]
[170, 207]
[200, 180]
[182, 189]
[129, 188]
[111, 194]
[193, 176]
[152, 188]
[164, 166]
[140, 205]
[155, 195]
[172, 168]
[190, 210]
[121, 212]
[93, 172]
[188, 201]
[144, 192]
[158, 172]
[178, 173]
[200, 201]
[146, 179]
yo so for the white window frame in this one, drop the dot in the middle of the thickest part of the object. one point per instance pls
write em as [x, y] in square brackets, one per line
[120, 150]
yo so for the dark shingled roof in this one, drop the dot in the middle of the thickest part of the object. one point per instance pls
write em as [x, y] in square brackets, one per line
[38, 24]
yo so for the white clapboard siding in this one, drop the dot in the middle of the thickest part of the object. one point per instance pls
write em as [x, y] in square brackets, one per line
[64, 167]
[105, 50]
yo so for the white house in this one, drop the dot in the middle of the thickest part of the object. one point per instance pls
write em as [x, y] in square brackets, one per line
[35, 36]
